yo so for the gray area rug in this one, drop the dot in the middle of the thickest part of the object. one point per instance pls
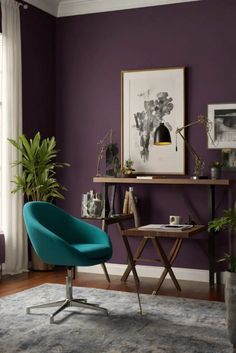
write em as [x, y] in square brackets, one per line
[170, 325]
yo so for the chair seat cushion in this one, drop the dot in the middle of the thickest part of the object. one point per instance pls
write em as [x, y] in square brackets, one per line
[93, 251]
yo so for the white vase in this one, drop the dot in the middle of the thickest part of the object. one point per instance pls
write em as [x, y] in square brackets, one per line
[230, 302]
[95, 206]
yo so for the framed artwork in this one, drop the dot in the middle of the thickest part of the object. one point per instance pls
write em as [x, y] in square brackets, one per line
[229, 158]
[223, 120]
[153, 99]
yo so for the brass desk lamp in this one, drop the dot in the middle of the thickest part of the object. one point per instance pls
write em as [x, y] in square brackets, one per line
[198, 162]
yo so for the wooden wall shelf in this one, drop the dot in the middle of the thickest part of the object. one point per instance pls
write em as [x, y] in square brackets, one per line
[162, 180]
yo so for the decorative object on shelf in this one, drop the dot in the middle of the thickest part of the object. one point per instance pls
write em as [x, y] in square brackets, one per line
[216, 170]
[102, 150]
[92, 205]
[130, 205]
[112, 160]
[128, 201]
[228, 222]
[229, 157]
[127, 170]
[198, 162]
[111, 151]
[152, 108]
[223, 119]
[38, 182]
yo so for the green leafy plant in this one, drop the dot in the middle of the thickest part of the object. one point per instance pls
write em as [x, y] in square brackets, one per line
[228, 221]
[37, 158]
[217, 164]
[128, 167]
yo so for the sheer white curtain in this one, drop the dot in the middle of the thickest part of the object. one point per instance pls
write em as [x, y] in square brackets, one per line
[11, 204]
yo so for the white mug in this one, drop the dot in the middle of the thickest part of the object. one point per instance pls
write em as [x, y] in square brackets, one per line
[174, 220]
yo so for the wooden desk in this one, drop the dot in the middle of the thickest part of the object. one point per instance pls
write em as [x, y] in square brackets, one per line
[155, 236]
[210, 185]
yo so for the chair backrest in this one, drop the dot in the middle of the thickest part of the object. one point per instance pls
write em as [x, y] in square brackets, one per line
[48, 215]
[52, 230]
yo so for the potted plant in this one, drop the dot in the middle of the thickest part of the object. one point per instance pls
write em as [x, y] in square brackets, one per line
[216, 170]
[127, 169]
[38, 181]
[228, 222]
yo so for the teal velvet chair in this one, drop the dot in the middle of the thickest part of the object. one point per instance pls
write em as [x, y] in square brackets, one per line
[61, 239]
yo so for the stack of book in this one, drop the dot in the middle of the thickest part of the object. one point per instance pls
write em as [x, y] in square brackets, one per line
[130, 206]
[128, 201]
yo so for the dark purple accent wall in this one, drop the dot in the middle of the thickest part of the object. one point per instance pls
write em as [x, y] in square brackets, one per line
[38, 71]
[91, 50]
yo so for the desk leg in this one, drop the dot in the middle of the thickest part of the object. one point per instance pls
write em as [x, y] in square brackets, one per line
[136, 256]
[130, 256]
[231, 235]
[211, 237]
[129, 253]
[104, 228]
[173, 254]
[131, 259]
[167, 262]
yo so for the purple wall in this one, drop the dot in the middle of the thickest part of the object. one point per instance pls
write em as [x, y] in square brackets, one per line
[38, 71]
[91, 51]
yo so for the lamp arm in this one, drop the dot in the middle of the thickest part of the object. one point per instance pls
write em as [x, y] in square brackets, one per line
[188, 125]
[199, 163]
[201, 119]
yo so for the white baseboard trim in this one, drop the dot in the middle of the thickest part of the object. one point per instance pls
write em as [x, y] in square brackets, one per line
[150, 271]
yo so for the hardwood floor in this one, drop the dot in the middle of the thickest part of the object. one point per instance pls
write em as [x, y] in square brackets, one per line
[190, 289]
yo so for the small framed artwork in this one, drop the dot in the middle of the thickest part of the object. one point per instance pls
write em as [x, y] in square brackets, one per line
[229, 158]
[223, 120]
[152, 109]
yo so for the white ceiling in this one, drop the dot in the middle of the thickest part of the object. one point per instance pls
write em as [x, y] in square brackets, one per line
[62, 8]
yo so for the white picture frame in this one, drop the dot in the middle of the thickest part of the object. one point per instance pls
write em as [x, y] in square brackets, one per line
[142, 92]
[222, 118]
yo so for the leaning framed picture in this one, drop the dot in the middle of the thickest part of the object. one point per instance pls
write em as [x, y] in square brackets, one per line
[152, 109]
[223, 130]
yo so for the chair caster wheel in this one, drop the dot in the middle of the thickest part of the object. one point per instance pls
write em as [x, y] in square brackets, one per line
[51, 320]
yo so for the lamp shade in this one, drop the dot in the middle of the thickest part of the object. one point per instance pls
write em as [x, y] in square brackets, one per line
[162, 135]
